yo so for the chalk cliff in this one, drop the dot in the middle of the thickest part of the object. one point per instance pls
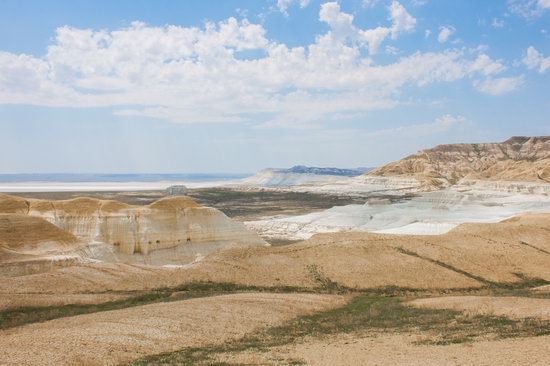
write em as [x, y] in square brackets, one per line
[169, 231]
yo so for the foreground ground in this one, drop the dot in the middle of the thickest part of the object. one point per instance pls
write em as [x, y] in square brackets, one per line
[478, 295]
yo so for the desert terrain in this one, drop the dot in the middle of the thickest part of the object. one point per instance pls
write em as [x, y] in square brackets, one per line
[405, 264]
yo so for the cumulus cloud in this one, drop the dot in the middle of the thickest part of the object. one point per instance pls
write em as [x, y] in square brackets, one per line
[402, 21]
[207, 74]
[445, 32]
[283, 5]
[535, 60]
[484, 65]
[498, 86]
[342, 27]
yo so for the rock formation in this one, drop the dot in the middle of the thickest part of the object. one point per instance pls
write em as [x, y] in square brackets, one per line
[524, 159]
[169, 231]
[30, 244]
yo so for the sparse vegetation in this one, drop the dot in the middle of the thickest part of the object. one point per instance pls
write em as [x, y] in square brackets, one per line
[364, 313]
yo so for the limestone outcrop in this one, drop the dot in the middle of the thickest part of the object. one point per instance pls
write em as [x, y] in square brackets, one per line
[523, 159]
[169, 231]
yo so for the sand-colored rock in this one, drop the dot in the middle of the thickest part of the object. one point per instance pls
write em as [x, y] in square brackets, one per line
[169, 231]
[114, 337]
[516, 159]
[507, 306]
[380, 349]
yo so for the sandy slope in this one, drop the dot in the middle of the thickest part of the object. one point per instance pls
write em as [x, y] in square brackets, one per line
[112, 337]
[399, 349]
[31, 244]
[471, 255]
[510, 307]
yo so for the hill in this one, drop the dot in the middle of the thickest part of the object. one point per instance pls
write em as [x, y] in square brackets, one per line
[523, 159]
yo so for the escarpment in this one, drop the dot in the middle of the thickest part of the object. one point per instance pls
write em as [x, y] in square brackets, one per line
[169, 231]
[518, 159]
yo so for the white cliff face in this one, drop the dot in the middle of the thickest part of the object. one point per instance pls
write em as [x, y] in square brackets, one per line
[338, 185]
[170, 231]
[426, 214]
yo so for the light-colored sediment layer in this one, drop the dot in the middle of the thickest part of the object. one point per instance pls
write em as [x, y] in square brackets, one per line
[471, 255]
[12, 301]
[379, 349]
[429, 213]
[359, 185]
[510, 307]
[114, 337]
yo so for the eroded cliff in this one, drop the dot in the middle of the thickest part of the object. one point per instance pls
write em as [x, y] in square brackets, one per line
[518, 159]
[170, 231]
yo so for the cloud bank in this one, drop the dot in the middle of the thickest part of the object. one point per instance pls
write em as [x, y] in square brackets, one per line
[230, 72]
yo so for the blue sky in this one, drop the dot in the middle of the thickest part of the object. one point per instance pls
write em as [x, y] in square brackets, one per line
[237, 86]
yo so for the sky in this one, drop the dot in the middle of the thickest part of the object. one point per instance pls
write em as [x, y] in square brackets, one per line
[135, 86]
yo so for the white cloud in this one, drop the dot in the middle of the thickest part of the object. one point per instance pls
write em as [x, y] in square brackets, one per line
[528, 8]
[427, 33]
[339, 22]
[535, 60]
[374, 38]
[497, 23]
[445, 32]
[283, 5]
[369, 3]
[484, 65]
[200, 75]
[499, 86]
[342, 27]
[402, 21]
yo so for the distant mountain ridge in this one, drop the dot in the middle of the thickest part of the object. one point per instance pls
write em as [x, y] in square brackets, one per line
[302, 169]
[520, 158]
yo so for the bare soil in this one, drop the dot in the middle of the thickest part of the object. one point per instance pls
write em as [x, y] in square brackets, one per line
[113, 337]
